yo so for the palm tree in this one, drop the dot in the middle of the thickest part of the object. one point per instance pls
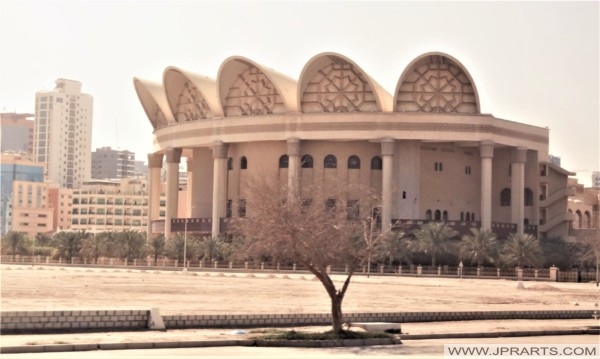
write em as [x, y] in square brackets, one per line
[96, 246]
[157, 245]
[480, 246]
[69, 243]
[522, 249]
[14, 240]
[434, 238]
[130, 245]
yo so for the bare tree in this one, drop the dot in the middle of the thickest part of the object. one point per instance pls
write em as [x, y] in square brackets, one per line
[316, 229]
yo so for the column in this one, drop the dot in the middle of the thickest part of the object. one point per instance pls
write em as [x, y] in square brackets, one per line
[155, 161]
[387, 154]
[189, 188]
[517, 190]
[173, 157]
[293, 152]
[486, 152]
[219, 186]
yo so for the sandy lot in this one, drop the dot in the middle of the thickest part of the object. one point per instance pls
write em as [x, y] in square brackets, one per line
[174, 292]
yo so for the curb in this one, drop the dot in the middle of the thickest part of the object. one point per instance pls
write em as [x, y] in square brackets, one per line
[200, 344]
[285, 343]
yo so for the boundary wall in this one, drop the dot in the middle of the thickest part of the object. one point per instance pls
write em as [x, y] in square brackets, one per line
[128, 320]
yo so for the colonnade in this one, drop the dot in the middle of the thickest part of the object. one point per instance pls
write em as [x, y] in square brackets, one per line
[219, 194]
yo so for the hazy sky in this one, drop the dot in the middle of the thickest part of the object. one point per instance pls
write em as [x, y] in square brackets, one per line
[532, 62]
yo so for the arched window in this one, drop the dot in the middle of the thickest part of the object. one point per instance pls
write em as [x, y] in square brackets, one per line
[579, 219]
[428, 215]
[353, 162]
[505, 197]
[445, 215]
[526, 221]
[330, 162]
[243, 163]
[284, 161]
[307, 161]
[438, 215]
[229, 164]
[468, 216]
[528, 197]
[473, 216]
[376, 163]
[588, 219]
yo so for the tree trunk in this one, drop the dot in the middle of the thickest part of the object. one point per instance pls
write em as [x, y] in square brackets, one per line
[336, 313]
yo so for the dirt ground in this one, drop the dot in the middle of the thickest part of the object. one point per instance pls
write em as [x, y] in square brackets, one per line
[24, 287]
[175, 292]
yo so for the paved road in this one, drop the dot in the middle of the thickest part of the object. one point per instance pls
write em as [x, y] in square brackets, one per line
[433, 348]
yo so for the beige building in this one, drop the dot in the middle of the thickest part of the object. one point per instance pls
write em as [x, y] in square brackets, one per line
[63, 133]
[31, 211]
[584, 207]
[427, 149]
[100, 206]
[61, 201]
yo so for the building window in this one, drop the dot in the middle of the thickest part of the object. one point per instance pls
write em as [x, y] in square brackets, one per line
[438, 215]
[428, 215]
[330, 204]
[243, 163]
[403, 194]
[438, 167]
[284, 161]
[505, 197]
[376, 163]
[330, 162]
[307, 161]
[472, 216]
[467, 170]
[462, 216]
[228, 209]
[445, 215]
[353, 162]
[352, 209]
[528, 197]
[242, 208]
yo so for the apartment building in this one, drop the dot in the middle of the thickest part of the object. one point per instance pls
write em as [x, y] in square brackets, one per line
[16, 132]
[103, 205]
[111, 164]
[31, 211]
[63, 133]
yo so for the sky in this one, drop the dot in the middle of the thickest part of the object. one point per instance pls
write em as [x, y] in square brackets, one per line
[531, 62]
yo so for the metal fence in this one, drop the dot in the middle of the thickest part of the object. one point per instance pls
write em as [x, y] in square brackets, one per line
[541, 274]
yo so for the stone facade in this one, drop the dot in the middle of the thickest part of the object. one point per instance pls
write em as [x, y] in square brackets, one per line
[411, 147]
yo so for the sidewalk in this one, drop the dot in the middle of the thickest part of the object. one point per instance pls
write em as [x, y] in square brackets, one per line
[227, 337]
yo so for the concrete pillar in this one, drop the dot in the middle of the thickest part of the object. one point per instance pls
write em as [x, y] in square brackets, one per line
[387, 154]
[189, 188]
[554, 274]
[172, 157]
[155, 162]
[219, 186]
[517, 191]
[486, 152]
[200, 191]
[293, 152]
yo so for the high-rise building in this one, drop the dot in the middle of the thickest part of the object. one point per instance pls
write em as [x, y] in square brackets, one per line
[596, 179]
[111, 164]
[63, 133]
[16, 132]
[15, 167]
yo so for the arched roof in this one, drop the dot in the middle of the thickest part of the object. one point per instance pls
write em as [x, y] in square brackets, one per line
[193, 94]
[154, 102]
[438, 83]
[331, 82]
[247, 88]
